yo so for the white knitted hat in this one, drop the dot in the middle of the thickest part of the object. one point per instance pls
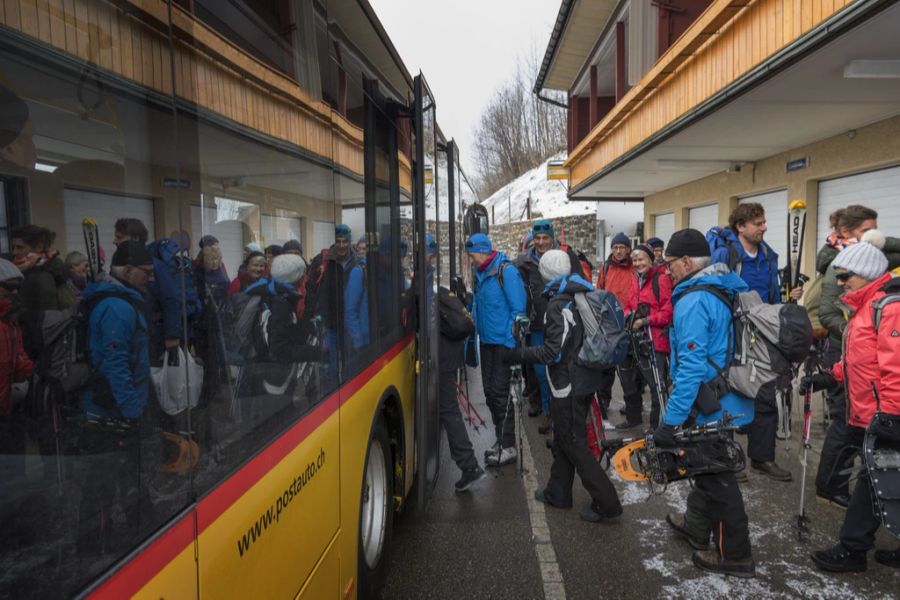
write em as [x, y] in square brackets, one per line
[288, 267]
[864, 259]
[554, 263]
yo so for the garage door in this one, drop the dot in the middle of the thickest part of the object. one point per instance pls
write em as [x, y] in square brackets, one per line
[879, 190]
[229, 232]
[323, 237]
[664, 226]
[775, 203]
[702, 218]
[106, 209]
[279, 229]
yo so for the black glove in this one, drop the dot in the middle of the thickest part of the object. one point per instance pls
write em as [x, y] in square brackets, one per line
[664, 436]
[511, 356]
[817, 382]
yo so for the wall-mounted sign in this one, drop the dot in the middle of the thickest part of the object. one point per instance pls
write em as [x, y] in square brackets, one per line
[172, 182]
[429, 174]
[796, 165]
[556, 170]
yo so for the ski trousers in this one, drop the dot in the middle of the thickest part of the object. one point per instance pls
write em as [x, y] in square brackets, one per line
[761, 433]
[860, 522]
[452, 422]
[495, 379]
[536, 338]
[633, 374]
[836, 460]
[716, 505]
[571, 454]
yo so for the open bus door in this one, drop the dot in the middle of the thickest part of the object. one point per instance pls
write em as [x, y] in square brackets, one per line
[425, 221]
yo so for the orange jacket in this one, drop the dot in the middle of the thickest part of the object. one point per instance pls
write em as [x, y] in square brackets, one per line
[616, 278]
[870, 357]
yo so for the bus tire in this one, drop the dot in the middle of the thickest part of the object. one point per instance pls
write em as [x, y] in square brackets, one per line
[376, 513]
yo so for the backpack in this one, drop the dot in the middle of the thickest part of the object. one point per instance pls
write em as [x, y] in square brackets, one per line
[173, 271]
[717, 238]
[606, 340]
[768, 339]
[586, 266]
[242, 317]
[892, 289]
[812, 300]
[456, 323]
[63, 367]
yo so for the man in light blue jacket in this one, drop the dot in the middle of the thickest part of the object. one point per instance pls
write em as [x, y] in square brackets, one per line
[498, 309]
[700, 337]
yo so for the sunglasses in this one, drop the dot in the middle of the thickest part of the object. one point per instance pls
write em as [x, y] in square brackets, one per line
[542, 228]
[845, 276]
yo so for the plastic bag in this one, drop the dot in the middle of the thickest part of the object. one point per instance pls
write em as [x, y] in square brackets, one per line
[178, 385]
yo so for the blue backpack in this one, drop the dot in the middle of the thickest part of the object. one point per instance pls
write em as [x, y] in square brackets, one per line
[173, 270]
[606, 339]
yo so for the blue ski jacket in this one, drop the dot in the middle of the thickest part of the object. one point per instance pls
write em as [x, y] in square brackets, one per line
[759, 272]
[494, 308]
[701, 329]
[118, 350]
[356, 304]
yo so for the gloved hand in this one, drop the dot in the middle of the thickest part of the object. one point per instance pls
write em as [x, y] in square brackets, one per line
[817, 382]
[511, 356]
[520, 326]
[664, 436]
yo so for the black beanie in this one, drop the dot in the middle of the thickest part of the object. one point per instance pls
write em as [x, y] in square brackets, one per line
[131, 253]
[687, 242]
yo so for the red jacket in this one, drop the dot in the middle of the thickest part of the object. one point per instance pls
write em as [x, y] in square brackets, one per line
[660, 309]
[616, 278]
[870, 357]
[14, 363]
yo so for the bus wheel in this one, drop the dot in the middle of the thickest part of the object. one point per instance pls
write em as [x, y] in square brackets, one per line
[376, 515]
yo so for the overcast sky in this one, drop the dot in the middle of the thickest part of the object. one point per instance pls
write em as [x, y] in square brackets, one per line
[466, 49]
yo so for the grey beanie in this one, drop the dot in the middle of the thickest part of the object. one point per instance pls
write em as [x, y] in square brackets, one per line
[288, 267]
[864, 259]
[9, 271]
[554, 263]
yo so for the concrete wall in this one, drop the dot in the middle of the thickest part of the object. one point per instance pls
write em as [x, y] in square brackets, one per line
[871, 147]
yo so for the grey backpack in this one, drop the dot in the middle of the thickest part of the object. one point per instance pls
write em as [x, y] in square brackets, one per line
[768, 340]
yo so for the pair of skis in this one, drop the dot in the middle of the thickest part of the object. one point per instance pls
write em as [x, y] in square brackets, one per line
[792, 279]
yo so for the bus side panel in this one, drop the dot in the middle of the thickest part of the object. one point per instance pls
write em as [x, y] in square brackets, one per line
[325, 580]
[266, 543]
[176, 580]
[408, 401]
[357, 420]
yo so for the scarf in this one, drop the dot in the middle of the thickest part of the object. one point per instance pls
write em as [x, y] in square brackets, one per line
[838, 242]
[35, 259]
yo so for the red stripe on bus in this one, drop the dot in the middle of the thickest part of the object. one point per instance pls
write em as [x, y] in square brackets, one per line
[133, 575]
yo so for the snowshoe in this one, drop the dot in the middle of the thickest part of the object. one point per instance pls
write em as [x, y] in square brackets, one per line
[881, 454]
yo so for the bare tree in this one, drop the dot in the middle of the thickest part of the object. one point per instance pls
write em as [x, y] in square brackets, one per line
[516, 131]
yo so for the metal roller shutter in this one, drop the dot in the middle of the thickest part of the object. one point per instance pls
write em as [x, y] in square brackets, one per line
[664, 226]
[106, 209]
[702, 218]
[879, 190]
[278, 230]
[230, 233]
[776, 206]
[323, 237]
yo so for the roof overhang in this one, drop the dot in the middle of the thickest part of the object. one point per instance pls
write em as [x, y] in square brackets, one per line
[578, 26]
[795, 100]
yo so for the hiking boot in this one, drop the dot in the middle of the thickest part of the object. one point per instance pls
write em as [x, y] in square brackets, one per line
[469, 478]
[627, 425]
[889, 558]
[678, 524]
[540, 496]
[771, 470]
[593, 514]
[709, 560]
[839, 560]
[493, 451]
[506, 456]
[546, 428]
[741, 477]
[838, 500]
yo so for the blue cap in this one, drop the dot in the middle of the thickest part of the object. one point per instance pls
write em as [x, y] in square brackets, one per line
[655, 242]
[543, 227]
[479, 242]
[620, 238]
[342, 231]
[430, 244]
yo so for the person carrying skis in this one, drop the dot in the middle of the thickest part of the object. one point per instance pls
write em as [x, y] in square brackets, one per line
[572, 387]
[651, 286]
[869, 362]
[614, 275]
[543, 239]
[498, 308]
[715, 504]
[849, 225]
[742, 248]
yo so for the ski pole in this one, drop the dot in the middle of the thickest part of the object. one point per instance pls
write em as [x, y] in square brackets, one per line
[802, 519]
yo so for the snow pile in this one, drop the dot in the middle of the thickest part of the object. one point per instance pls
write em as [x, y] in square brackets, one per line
[548, 198]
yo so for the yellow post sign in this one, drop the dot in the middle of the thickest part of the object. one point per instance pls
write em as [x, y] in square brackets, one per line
[556, 170]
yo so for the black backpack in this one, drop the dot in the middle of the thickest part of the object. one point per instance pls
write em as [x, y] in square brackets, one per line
[456, 323]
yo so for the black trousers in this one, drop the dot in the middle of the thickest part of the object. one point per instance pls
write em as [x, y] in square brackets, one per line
[451, 420]
[571, 454]
[715, 505]
[495, 377]
[633, 374]
[836, 460]
[860, 523]
[761, 433]
[604, 390]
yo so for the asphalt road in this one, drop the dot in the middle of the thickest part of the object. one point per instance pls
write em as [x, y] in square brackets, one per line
[496, 543]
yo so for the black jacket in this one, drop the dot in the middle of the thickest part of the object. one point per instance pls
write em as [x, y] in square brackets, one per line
[529, 267]
[563, 333]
